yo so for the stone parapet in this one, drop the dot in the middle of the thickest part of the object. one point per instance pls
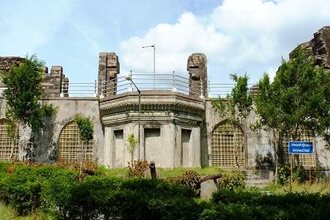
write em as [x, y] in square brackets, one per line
[197, 68]
[318, 47]
[109, 68]
[53, 84]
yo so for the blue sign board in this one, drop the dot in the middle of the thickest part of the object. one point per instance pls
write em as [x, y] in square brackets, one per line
[300, 147]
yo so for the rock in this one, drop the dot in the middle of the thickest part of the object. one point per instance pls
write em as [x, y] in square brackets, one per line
[318, 47]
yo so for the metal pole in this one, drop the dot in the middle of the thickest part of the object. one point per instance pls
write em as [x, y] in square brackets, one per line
[129, 77]
[139, 129]
[154, 46]
[291, 172]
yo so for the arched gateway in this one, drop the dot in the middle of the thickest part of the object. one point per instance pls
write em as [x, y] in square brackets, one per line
[228, 146]
[71, 147]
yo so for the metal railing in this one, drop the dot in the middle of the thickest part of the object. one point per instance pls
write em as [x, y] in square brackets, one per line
[147, 82]
[82, 89]
[171, 82]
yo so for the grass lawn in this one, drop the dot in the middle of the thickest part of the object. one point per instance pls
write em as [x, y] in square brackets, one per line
[7, 213]
[162, 172]
[322, 188]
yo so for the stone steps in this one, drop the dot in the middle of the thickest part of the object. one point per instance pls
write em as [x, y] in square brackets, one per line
[257, 182]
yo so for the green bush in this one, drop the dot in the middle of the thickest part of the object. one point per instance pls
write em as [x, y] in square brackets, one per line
[57, 193]
[189, 178]
[28, 187]
[130, 199]
[22, 191]
[299, 174]
[232, 180]
[245, 212]
[291, 205]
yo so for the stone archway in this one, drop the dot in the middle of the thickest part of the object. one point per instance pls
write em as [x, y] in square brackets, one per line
[228, 146]
[70, 145]
[8, 145]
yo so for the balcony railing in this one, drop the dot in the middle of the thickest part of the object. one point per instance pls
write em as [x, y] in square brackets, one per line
[147, 82]
[171, 82]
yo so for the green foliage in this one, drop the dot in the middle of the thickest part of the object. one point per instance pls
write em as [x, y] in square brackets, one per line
[232, 180]
[132, 144]
[28, 188]
[241, 95]
[48, 110]
[85, 127]
[297, 100]
[189, 178]
[299, 174]
[57, 194]
[23, 92]
[251, 204]
[237, 106]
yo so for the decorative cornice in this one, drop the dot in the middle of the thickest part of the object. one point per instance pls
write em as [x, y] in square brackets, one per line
[151, 101]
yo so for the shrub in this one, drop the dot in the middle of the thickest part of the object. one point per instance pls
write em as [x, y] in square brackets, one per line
[28, 187]
[299, 174]
[22, 191]
[290, 205]
[130, 199]
[232, 180]
[137, 168]
[189, 178]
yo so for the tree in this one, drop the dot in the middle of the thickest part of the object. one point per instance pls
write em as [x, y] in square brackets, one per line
[23, 95]
[85, 128]
[236, 107]
[23, 92]
[298, 100]
[132, 144]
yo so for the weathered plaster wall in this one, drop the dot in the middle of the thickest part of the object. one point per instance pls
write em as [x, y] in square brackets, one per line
[164, 149]
[67, 108]
[258, 142]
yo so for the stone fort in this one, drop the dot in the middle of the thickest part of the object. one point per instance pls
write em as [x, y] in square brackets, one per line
[174, 121]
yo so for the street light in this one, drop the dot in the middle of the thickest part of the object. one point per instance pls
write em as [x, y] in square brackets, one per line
[129, 78]
[153, 46]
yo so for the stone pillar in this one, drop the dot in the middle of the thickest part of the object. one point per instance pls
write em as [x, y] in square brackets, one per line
[108, 71]
[197, 69]
[54, 84]
[56, 73]
[65, 86]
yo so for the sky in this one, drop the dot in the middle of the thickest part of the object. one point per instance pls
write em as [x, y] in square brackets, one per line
[237, 36]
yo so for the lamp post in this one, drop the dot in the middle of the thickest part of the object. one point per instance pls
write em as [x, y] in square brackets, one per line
[153, 46]
[129, 78]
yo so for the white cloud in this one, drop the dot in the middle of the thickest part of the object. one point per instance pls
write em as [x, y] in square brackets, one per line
[173, 44]
[27, 25]
[242, 36]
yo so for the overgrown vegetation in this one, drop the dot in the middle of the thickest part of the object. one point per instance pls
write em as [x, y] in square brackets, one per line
[131, 144]
[235, 108]
[55, 192]
[85, 128]
[297, 102]
[137, 168]
[23, 94]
